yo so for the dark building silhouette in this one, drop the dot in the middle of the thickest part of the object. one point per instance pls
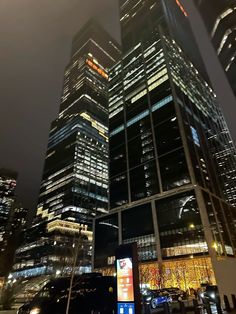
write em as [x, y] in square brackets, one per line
[7, 198]
[12, 220]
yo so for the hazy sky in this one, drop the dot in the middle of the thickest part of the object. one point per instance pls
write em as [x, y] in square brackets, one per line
[35, 38]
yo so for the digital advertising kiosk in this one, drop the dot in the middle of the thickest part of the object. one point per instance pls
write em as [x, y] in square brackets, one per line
[128, 292]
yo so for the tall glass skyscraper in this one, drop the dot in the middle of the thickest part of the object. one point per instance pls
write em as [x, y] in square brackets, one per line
[75, 176]
[166, 135]
[223, 29]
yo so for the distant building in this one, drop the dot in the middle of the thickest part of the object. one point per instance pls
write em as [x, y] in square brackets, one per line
[74, 187]
[7, 198]
[12, 220]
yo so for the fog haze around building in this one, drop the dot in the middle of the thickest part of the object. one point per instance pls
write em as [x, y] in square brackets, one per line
[35, 47]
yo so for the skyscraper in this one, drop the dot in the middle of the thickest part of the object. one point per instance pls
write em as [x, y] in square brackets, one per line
[220, 20]
[138, 21]
[166, 129]
[218, 80]
[75, 176]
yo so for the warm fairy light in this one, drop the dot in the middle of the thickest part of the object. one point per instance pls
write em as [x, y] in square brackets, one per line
[215, 246]
[185, 273]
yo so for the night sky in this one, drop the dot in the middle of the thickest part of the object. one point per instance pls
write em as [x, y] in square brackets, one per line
[35, 40]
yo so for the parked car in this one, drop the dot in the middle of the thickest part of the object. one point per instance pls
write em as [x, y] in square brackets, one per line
[210, 293]
[90, 292]
[154, 298]
[174, 293]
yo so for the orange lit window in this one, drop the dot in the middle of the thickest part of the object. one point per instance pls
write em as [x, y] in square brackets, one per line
[97, 68]
[181, 8]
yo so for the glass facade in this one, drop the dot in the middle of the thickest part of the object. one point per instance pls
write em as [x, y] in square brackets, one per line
[107, 240]
[180, 226]
[48, 248]
[74, 186]
[205, 127]
[168, 146]
[148, 127]
[75, 177]
[221, 25]
[137, 226]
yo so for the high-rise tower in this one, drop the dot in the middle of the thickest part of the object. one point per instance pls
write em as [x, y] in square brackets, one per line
[221, 25]
[166, 133]
[75, 176]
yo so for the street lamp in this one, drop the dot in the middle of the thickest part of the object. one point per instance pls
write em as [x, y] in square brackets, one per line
[58, 272]
[191, 226]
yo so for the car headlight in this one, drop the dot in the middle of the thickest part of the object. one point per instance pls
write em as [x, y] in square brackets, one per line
[35, 310]
[212, 295]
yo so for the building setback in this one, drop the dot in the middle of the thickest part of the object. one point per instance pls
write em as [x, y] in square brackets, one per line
[166, 132]
[75, 177]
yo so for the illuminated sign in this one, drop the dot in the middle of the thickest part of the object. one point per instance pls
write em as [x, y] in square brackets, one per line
[97, 68]
[127, 273]
[125, 308]
[181, 7]
[125, 288]
[111, 260]
[70, 227]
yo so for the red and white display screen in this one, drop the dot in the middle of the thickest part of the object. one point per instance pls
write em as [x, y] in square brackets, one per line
[125, 287]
